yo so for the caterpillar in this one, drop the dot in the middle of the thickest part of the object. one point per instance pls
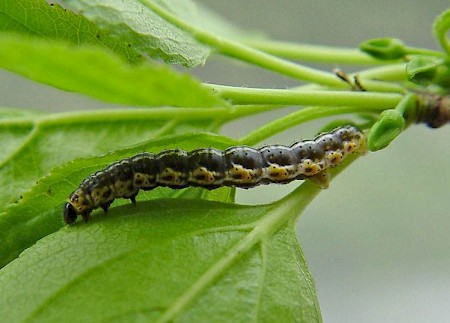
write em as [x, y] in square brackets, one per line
[210, 168]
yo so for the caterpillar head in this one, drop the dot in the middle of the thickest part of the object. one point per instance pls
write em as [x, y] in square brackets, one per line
[78, 203]
[70, 215]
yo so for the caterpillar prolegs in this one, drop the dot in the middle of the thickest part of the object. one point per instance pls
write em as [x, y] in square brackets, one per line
[239, 166]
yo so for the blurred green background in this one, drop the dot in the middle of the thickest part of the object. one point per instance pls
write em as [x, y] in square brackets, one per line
[377, 242]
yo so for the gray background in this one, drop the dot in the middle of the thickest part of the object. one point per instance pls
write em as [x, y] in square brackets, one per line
[377, 242]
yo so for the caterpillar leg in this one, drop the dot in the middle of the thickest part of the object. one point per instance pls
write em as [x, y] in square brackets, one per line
[105, 207]
[322, 178]
[85, 216]
[133, 199]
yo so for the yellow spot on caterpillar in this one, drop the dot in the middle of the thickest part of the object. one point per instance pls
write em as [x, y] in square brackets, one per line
[278, 172]
[309, 168]
[334, 158]
[170, 177]
[349, 147]
[202, 175]
[240, 175]
[101, 195]
[124, 188]
[144, 181]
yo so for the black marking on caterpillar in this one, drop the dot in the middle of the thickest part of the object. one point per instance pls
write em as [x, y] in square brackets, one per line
[210, 168]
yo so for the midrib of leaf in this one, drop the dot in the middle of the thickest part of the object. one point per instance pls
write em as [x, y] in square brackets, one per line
[277, 215]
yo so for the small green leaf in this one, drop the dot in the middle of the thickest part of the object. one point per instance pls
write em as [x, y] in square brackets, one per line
[175, 260]
[132, 22]
[422, 69]
[101, 74]
[440, 29]
[425, 70]
[385, 130]
[384, 48]
[392, 122]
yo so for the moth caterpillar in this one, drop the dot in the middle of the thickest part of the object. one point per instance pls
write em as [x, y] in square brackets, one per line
[210, 168]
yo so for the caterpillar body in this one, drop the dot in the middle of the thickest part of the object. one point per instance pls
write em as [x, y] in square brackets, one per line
[239, 166]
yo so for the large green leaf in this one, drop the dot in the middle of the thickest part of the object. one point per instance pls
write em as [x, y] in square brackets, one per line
[164, 260]
[101, 74]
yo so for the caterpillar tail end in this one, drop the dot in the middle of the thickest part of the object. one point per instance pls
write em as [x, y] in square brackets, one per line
[363, 148]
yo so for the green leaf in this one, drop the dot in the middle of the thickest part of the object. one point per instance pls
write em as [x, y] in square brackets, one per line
[385, 130]
[132, 22]
[166, 260]
[392, 122]
[101, 74]
[39, 212]
[440, 29]
[425, 70]
[38, 17]
[384, 48]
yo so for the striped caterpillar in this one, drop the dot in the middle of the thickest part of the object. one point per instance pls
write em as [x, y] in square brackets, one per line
[210, 168]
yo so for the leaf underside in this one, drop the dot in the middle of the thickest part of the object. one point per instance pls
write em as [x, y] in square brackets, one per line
[143, 29]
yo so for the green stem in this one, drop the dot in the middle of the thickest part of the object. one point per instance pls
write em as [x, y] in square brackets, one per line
[275, 64]
[427, 52]
[221, 115]
[249, 54]
[239, 95]
[314, 53]
[381, 86]
[393, 72]
[296, 118]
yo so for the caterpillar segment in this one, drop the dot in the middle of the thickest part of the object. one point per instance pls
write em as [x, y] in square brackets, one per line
[210, 168]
